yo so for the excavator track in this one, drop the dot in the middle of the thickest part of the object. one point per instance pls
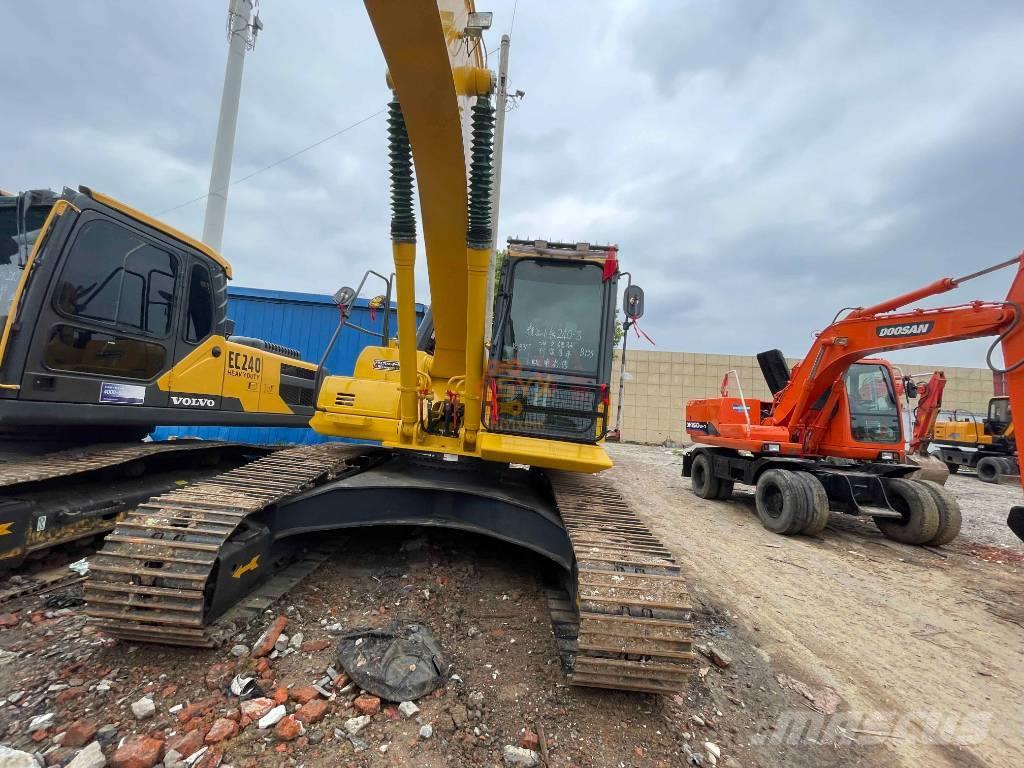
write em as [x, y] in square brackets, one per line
[153, 578]
[633, 629]
[16, 468]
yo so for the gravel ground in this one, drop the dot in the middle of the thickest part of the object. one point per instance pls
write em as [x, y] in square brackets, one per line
[829, 627]
[984, 507]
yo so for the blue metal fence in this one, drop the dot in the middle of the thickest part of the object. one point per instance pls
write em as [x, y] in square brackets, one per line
[304, 321]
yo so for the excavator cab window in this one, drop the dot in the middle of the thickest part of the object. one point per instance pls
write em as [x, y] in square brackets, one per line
[200, 305]
[555, 320]
[999, 416]
[16, 240]
[874, 410]
[553, 339]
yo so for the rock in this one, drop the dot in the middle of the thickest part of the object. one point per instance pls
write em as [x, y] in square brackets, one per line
[9, 620]
[315, 646]
[296, 640]
[15, 758]
[143, 709]
[281, 643]
[221, 729]
[303, 693]
[238, 651]
[529, 740]
[59, 755]
[354, 725]
[90, 757]
[265, 644]
[79, 733]
[186, 744]
[511, 755]
[141, 752]
[312, 711]
[316, 736]
[426, 731]
[15, 697]
[288, 729]
[459, 715]
[368, 705]
[273, 717]
[218, 677]
[476, 699]
[408, 709]
[713, 752]
[41, 722]
[718, 658]
[173, 759]
[107, 733]
[70, 694]
[254, 709]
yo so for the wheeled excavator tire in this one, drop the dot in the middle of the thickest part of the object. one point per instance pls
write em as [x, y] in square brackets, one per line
[704, 483]
[989, 469]
[920, 522]
[818, 501]
[950, 518]
[783, 502]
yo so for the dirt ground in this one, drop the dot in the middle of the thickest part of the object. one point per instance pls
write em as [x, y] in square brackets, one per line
[844, 650]
[892, 629]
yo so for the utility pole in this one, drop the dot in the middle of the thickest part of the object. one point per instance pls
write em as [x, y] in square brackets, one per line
[241, 38]
[499, 142]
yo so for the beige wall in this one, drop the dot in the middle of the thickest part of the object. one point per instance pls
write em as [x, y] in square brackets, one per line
[653, 406]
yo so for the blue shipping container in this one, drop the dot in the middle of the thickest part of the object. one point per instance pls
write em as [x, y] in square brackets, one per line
[303, 321]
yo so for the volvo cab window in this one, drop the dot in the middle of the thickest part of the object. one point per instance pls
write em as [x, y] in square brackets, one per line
[15, 247]
[874, 413]
[84, 351]
[556, 319]
[115, 277]
[200, 305]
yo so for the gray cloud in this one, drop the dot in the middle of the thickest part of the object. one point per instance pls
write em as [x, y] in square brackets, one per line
[761, 164]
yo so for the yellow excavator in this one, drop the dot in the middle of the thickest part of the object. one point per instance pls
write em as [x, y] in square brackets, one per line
[112, 323]
[495, 430]
[986, 445]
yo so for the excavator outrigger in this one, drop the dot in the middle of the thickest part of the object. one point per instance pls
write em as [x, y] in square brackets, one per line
[492, 430]
[830, 439]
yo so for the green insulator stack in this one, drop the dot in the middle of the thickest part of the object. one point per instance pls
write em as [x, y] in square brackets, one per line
[481, 174]
[403, 218]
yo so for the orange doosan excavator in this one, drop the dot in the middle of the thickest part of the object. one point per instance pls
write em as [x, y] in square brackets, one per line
[832, 437]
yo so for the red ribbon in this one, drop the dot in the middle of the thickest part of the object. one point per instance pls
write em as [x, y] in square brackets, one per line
[611, 265]
[640, 332]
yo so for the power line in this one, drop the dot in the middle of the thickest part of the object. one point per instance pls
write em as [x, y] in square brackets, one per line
[279, 162]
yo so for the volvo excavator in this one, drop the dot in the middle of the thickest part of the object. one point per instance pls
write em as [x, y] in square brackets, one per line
[114, 323]
[495, 430]
[832, 437]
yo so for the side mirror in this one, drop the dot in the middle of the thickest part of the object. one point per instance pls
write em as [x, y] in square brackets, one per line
[229, 327]
[633, 302]
[344, 297]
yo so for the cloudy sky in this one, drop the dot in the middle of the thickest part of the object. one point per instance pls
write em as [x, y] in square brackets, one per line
[760, 163]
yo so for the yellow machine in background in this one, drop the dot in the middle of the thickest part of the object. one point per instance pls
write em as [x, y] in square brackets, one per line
[986, 445]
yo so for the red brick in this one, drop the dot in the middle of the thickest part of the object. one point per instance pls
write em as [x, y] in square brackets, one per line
[529, 740]
[254, 709]
[266, 642]
[315, 646]
[280, 695]
[312, 711]
[222, 729]
[304, 693]
[186, 744]
[78, 734]
[8, 620]
[288, 729]
[367, 705]
[138, 753]
[70, 694]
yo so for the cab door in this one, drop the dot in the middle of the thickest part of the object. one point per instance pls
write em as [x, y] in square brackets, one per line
[105, 334]
[196, 382]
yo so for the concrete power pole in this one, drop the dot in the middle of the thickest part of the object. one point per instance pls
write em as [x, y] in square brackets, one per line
[499, 142]
[241, 38]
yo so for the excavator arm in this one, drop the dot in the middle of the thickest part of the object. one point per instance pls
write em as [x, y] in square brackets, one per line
[929, 402]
